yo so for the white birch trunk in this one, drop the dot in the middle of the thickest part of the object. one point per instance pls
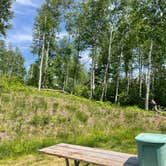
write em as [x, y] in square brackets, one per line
[41, 63]
[128, 83]
[140, 73]
[104, 88]
[117, 89]
[149, 75]
[92, 76]
[76, 69]
[129, 77]
[65, 84]
[117, 81]
[47, 54]
[67, 71]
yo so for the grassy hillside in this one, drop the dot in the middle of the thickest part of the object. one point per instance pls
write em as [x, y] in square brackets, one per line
[30, 120]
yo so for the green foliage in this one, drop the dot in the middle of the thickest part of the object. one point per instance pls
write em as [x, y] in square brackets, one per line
[5, 15]
[12, 84]
[131, 99]
[124, 99]
[117, 44]
[11, 62]
[82, 90]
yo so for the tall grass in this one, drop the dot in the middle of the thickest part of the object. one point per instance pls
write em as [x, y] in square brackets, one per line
[33, 119]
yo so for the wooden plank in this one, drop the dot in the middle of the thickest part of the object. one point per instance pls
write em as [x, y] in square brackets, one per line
[90, 159]
[104, 152]
[91, 155]
[88, 153]
[98, 153]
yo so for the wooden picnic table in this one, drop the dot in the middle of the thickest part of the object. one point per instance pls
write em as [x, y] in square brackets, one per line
[90, 155]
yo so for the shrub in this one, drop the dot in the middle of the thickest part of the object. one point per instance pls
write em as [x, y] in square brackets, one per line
[82, 90]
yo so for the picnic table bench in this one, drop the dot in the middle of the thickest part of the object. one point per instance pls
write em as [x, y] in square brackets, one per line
[90, 155]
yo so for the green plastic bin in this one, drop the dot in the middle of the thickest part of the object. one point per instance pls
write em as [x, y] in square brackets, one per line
[151, 149]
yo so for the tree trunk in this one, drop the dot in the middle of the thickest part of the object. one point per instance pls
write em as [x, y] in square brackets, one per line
[92, 87]
[47, 54]
[76, 69]
[140, 73]
[128, 83]
[46, 65]
[104, 86]
[149, 75]
[41, 64]
[65, 84]
[117, 89]
[117, 81]
[66, 79]
[153, 80]
[129, 76]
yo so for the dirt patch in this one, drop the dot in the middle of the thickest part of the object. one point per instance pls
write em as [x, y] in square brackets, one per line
[4, 136]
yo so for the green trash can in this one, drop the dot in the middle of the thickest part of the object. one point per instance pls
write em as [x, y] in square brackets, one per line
[151, 149]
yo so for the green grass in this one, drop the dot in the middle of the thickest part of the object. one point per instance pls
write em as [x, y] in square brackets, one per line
[31, 120]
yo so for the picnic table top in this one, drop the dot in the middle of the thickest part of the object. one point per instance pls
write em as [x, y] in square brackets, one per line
[91, 155]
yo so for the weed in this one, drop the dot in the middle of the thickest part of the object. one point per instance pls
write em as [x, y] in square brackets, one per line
[55, 106]
[82, 116]
[71, 108]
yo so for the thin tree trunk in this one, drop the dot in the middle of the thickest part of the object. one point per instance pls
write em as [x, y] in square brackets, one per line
[149, 75]
[47, 54]
[128, 83]
[65, 84]
[92, 87]
[67, 71]
[104, 88]
[76, 70]
[140, 86]
[117, 81]
[41, 64]
[140, 73]
[117, 89]
[129, 77]
[153, 80]
[42, 59]
[46, 64]
[67, 75]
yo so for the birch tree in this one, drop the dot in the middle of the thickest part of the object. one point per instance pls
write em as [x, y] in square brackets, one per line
[44, 33]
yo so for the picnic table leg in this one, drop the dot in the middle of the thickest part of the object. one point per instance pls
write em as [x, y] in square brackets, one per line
[76, 162]
[67, 162]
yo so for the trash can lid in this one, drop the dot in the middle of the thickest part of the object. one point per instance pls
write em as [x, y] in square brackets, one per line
[151, 138]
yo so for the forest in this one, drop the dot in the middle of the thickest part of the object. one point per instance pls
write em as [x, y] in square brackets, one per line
[111, 50]
[97, 66]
